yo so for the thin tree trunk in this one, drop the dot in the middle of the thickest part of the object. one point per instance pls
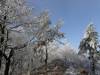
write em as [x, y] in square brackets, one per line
[8, 61]
[7, 66]
[92, 63]
[2, 32]
[46, 61]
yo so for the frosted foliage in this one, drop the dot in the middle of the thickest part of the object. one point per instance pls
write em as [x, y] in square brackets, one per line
[39, 28]
[42, 28]
[18, 12]
[92, 34]
[89, 29]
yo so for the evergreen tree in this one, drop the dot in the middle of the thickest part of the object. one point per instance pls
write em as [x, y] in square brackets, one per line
[89, 45]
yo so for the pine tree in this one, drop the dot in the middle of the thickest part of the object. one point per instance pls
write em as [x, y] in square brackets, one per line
[89, 45]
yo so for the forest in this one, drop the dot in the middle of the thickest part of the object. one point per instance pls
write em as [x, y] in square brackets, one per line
[30, 44]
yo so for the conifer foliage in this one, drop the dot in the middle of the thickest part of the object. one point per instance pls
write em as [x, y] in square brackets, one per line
[89, 45]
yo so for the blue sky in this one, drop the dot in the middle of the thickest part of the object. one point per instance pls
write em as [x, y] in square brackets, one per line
[77, 14]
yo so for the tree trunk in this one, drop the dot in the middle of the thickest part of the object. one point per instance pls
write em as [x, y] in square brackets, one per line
[46, 61]
[7, 66]
[2, 32]
[92, 63]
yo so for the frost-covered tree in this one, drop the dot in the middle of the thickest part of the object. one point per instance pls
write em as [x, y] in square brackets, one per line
[45, 34]
[89, 45]
[14, 15]
[23, 36]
